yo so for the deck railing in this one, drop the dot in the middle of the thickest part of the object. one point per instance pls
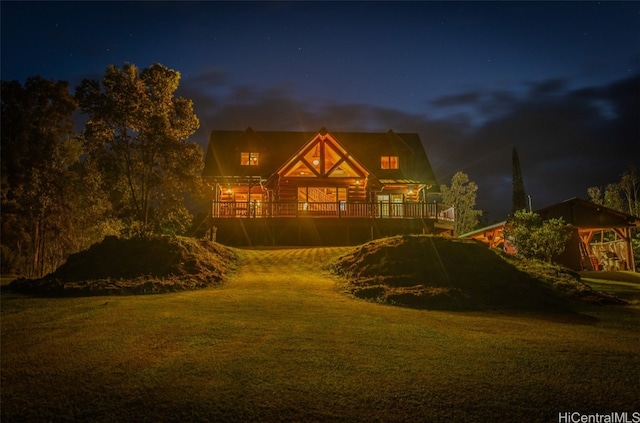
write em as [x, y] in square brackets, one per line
[342, 209]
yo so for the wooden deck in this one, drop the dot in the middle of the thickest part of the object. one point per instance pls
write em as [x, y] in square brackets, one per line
[257, 209]
[316, 224]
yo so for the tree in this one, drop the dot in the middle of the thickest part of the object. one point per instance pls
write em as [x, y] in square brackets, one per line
[40, 158]
[595, 195]
[136, 133]
[623, 196]
[462, 196]
[518, 197]
[630, 189]
[535, 238]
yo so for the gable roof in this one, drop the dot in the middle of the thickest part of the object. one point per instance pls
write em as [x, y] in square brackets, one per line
[585, 214]
[323, 156]
[574, 211]
[276, 148]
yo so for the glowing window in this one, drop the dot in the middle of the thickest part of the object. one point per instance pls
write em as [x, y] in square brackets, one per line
[389, 162]
[249, 159]
[322, 194]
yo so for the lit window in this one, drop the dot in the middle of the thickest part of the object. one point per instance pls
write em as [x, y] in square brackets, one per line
[389, 162]
[249, 159]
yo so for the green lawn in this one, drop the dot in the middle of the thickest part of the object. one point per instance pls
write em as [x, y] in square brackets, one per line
[278, 343]
[625, 285]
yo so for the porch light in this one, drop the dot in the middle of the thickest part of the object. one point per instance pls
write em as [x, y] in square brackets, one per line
[410, 192]
[357, 181]
[229, 191]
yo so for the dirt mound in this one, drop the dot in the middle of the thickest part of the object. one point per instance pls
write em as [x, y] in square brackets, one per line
[448, 274]
[135, 266]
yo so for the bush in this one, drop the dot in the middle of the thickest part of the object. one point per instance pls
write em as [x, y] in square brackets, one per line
[535, 238]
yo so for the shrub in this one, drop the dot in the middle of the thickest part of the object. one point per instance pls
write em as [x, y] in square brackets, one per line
[535, 238]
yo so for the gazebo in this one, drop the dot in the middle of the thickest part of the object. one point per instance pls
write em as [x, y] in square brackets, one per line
[601, 236]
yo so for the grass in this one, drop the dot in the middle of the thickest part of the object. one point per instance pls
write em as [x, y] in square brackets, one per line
[277, 342]
[437, 273]
[625, 285]
[135, 266]
[6, 279]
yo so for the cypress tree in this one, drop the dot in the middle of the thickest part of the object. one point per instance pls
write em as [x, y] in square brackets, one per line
[518, 198]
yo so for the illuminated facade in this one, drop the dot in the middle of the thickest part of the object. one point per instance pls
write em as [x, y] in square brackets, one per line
[314, 175]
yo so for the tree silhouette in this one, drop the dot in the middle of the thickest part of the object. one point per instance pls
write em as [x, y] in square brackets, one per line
[49, 207]
[518, 197]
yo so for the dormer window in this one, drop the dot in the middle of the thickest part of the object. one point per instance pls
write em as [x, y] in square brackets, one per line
[389, 162]
[249, 159]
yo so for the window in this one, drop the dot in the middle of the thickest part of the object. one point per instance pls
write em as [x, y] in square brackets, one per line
[249, 159]
[389, 162]
[322, 194]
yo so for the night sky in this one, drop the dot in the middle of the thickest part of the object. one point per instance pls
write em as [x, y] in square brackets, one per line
[558, 81]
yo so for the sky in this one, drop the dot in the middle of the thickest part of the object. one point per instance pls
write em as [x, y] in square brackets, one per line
[558, 81]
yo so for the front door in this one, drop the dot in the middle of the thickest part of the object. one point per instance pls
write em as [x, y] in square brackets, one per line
[383, 205]
[390, 205]
[397, 208]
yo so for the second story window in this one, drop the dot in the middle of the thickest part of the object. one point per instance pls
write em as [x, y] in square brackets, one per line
[249, 159]
[389, 162]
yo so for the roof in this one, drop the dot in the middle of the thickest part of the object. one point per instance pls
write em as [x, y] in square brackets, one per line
[585, 214]
[277, 147]
[577, 212]
[481, 231]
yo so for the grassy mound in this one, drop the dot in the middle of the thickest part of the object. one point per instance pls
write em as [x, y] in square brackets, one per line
[564, 282]
[135, 266]
[450, 274]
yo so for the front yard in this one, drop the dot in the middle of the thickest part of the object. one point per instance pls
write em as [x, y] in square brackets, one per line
[277, 342]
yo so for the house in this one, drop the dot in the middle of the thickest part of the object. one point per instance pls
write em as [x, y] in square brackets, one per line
[321, 188]
[601, 238]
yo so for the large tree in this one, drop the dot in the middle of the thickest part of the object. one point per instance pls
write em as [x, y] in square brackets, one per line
[623, 196]
[630, 190]
[462, 196]
[42, 190]
[137, 134]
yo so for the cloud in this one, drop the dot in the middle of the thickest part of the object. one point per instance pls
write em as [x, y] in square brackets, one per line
[462, 99]
[549, 86]
[566, 141]
[211, 76]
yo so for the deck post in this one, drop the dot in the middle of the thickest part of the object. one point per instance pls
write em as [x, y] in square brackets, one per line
[631, 265]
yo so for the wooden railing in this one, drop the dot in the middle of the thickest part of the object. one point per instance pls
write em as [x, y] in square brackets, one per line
[342, 209]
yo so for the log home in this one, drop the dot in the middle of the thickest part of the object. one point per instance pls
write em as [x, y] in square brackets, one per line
[321, 188]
